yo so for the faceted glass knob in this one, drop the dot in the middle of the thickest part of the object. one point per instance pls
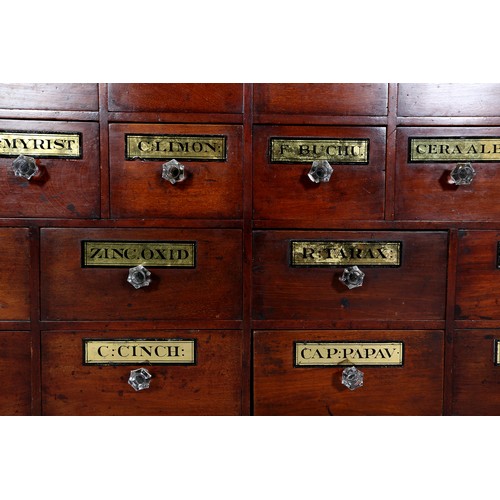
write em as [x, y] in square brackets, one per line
[24, 166]
[352, 378]
[139, 379]
[173, 171]
[139, 276]
[462, 175]
[321, 171]
[352, 277]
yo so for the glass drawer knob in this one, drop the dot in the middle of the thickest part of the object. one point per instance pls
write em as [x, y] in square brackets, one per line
[139, 277]
[352, 277]
[173, 172]
[352, 378]
[462, 175]
[140, 379]
[24, 166]
[321, 171]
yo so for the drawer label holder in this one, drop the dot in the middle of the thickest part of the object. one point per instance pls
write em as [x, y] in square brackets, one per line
[139, 351]
[340, 253]
[453, 149]
[175, 254]
[328, 354]
[41, 144]
[167, 147]
[497, 353]
[306, 150]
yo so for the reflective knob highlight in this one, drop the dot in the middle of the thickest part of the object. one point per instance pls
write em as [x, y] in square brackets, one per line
[139, 276]
[139, 379]
[462, 175]
[352, 378]
[321, 171]
[352, 277]
[24, 166]
[173, 172]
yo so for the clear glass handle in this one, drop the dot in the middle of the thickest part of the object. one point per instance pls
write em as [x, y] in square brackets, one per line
[140, 379]
[462, 175]
[321, 171]
[139, 277]
[352, 378]
[24, 166]
[352, 277]
[173, 171]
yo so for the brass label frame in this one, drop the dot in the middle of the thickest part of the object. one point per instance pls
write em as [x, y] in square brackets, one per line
[109, 253]
[292, 150]
[328, 354]
[139, 351]
[175, 146]
[65, 145]
[340, 253]
[454, 149]
[496, 352]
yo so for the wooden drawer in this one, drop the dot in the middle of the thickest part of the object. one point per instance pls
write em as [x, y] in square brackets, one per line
[283, 157]
[184, 264]
[426, 156]
[210, 386]
[341, 99]
[176, 97]
[284, 385]
[15, 274]
[289, 287]
[449, 99]
[67, 184]
[211, 155]
[478, 276]
[476, 373]
[15, 373]
[49, 96]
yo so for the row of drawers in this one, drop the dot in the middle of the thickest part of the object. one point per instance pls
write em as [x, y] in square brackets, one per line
[212, 384]
[212, 185]
[302, 286]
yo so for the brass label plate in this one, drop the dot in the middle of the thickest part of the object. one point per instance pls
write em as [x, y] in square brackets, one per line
[318, 354]
[139, 351]
[177, 254]
[497, 352]
[306, 150]
[453, 149]
[343, 253]
[166, 147]
[41, 144]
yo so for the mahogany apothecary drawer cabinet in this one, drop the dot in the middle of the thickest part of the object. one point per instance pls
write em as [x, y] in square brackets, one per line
[250, 249]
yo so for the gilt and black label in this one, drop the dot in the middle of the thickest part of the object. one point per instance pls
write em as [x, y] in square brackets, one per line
[41, 144]
[306, 150]
[324, 354]
[139, 351]
[180, 147]
[344, 253]
[177, 254]
[453, 149]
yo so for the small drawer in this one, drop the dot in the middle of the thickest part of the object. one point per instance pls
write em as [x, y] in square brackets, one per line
[15, 373]
[192, 373]
[15, 274]
[301, 372]
[176, 97]
[368, 99]
[49, 169]
[49, 96]
[449, 99]
[448, 173]
[195, 274]
[146, 182]
[288, 185]
[296, 275]
[476, 372]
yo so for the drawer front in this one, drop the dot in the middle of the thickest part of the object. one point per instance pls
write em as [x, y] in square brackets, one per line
[449, 99]
[195, 274]
[213, 170]
[176, 97]
[476, 372]
[427, 159]
[15, 373]
[478, 275]
[49, 96]
[412, 386]
[209, 386]
[67, 157]
[321, 98]
[413, 290]
[283, 158]
[15, 289]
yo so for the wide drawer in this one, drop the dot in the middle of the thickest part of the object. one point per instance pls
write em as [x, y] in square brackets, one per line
[67, 158]
[211, 155]
[195, 274]
[283, 167]
[300, 372]
[433, 181]
[15, 373]
[296, 275]
[192, 372]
